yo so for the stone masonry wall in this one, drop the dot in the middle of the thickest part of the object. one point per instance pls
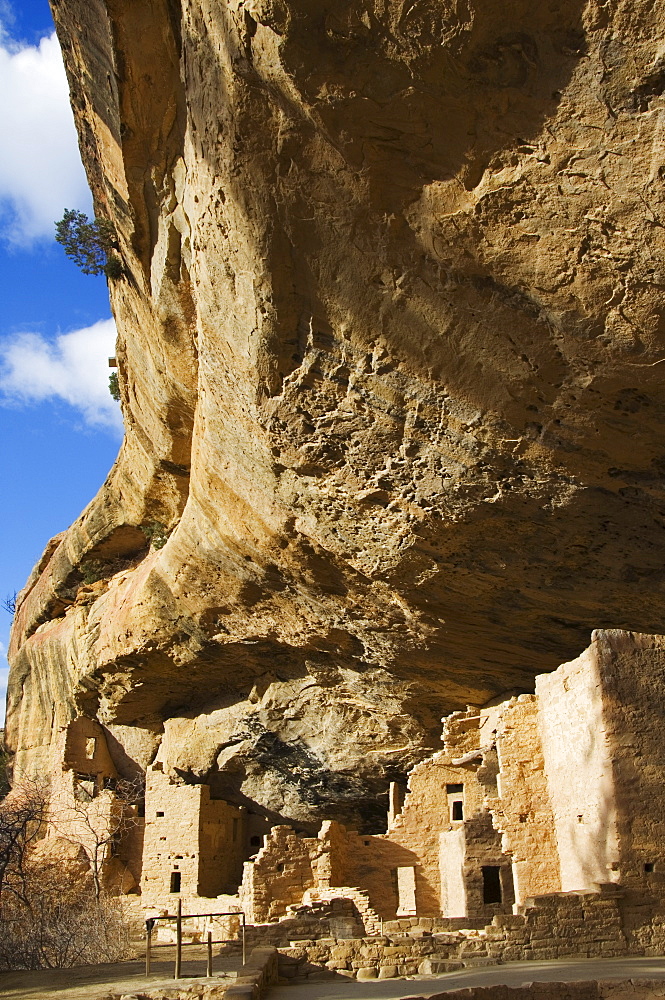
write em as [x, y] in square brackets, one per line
[191, 835]
[555, 926]
[427, 809]
[482, 848]
[281, 873]
[171, 838]
[84, 811]
[579, 772]
[371, 863]
[521, 808]
[82, 747]
[631, 668]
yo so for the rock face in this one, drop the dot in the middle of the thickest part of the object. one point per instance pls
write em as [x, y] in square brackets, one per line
[391, 347]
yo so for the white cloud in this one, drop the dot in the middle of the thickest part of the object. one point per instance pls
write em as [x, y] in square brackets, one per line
[74, 368]
[40, 166]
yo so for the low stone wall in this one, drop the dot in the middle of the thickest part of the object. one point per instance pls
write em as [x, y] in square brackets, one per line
[557, 926]
[364, 958]
[256, 977]
[337, 918]
[328, 938]
[644, 924]
[419, 925]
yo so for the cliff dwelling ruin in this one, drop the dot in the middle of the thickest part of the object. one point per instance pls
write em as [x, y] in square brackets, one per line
[391, 333]
[534, 797]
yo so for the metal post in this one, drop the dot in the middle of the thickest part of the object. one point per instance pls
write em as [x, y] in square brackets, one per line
[244, 951]
[209, 969]
[149, 924]
[178, 944]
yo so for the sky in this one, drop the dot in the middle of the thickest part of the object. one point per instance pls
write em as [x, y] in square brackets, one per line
[61, 430]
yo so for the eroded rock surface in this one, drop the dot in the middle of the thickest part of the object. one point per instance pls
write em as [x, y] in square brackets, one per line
[391, 347]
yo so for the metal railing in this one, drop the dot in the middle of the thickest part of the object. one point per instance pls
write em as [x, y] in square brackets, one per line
[179, 917]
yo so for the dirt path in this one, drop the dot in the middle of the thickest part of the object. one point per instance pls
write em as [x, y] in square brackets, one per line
[563, 970]
[94, 982]
[90, 982]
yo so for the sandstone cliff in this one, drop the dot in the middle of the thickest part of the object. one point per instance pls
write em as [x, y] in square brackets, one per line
[391, 346]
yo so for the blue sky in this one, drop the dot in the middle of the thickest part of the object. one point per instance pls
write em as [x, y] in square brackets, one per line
[60, 429]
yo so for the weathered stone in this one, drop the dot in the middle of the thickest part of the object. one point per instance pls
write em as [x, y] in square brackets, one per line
[390, 328]
[406, 380]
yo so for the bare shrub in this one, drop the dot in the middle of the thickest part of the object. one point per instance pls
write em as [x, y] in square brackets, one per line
[22, 823]
[50, 914]
[57, 922]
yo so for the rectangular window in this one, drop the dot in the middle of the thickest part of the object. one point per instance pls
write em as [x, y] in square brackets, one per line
[159, 813]
[175, 881]
[454, 789]
[85, 787]
[491, 884]
[457, 810]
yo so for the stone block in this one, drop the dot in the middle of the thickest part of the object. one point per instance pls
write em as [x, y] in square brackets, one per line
[408, 969]
[367, 972]
[387, 972]
[507, 920]
[511, 954]
[432, 967]
[396, 950]
[341, 951]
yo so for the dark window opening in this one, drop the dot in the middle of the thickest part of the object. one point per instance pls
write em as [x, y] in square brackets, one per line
[458, 810]
[85, 787]
[649, 866]
[175, 881]
[366, 843]
[523, 817]
[159, 813]
[255, 842]
[280, 867]
[235, 829]
[454, 789]
[491, 884]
